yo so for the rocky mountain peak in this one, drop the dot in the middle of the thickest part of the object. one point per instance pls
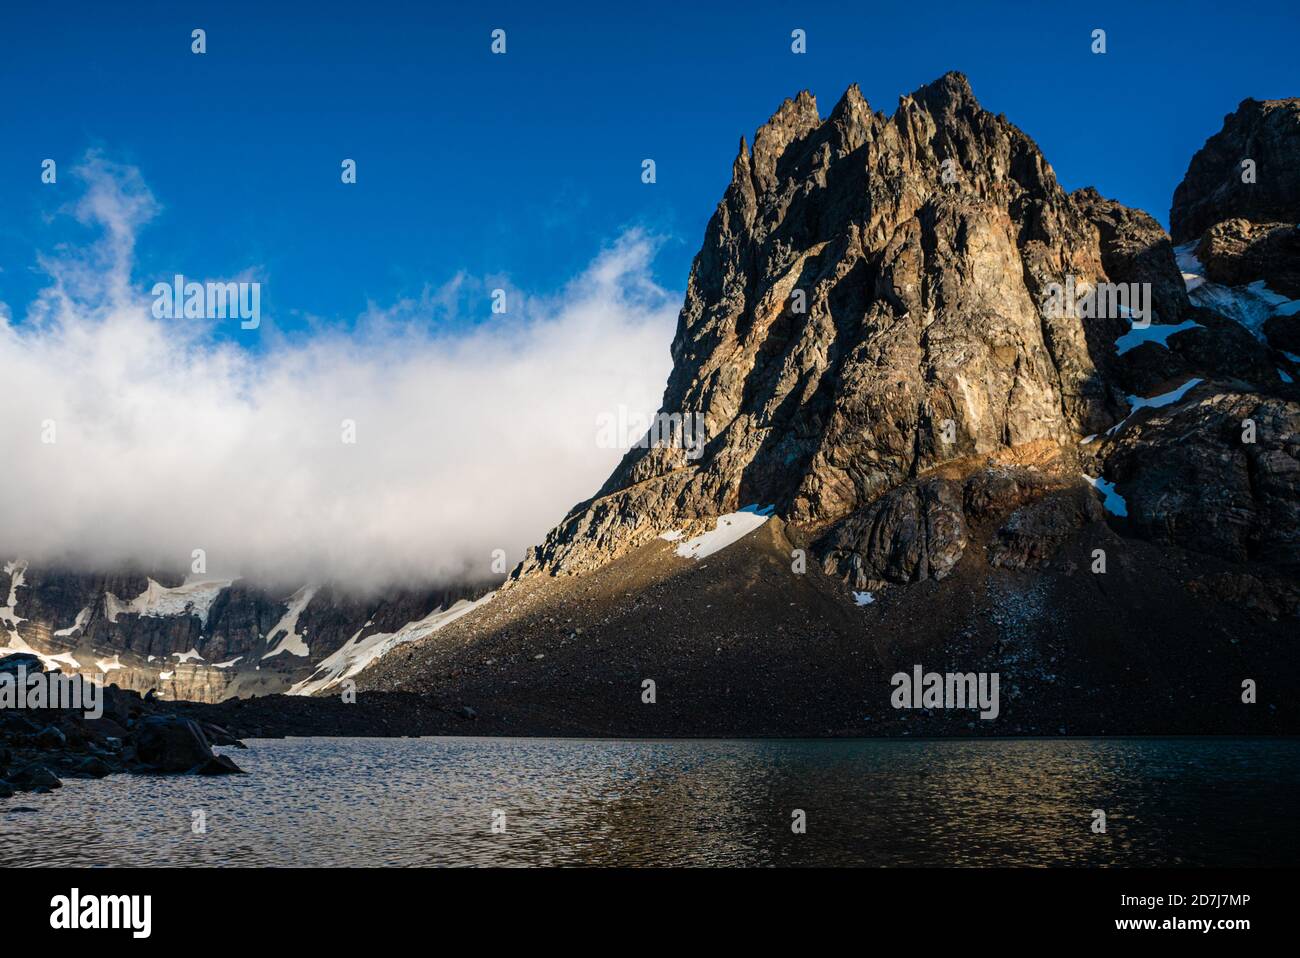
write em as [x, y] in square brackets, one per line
[864, 307]
[1248, 170]
[867, 338]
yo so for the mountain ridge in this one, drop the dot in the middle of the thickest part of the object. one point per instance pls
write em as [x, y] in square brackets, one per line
[866, 334]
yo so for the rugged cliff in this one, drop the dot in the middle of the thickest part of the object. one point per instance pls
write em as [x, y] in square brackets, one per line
[868, 324]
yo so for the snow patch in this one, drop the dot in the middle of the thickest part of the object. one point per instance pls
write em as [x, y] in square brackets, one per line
[1192, 269]
[16, 644]
[863, 598]
[357, 653]
[227, 665]
[1164, 399]
[729, 529]
[191, 655]
[292, 642]
[672, 535]
[1155, 333]
[9, 611]
[192, 597]
[109, 665]
[1249, 306]
[77, 623]
[1155, 402]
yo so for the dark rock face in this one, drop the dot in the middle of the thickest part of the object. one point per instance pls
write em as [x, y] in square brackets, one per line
[1034, 533]
[1136, 249]
[1283, 332]
[1270, 596]
[1191, 479]
[915, 532]
[1265, 131]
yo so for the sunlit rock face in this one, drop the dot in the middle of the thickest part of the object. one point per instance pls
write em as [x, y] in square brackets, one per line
[864, 279]
[865, 335]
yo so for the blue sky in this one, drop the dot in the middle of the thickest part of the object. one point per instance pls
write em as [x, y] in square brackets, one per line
[519, 168]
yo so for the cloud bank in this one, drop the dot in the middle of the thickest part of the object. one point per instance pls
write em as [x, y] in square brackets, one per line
[167, 440]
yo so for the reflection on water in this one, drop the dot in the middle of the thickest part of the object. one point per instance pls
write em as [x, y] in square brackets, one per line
[576, 802]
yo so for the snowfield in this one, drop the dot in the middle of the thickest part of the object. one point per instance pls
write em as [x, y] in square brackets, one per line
[730, 529]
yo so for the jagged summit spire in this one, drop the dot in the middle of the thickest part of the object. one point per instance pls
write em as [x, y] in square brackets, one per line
[797, 112]
[945, 94]
[851, 101]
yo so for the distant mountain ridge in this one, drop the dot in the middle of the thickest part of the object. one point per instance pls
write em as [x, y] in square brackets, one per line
[200, 638]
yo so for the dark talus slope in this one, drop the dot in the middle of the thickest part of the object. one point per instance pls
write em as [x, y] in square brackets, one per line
[738, 646]
[929, 434]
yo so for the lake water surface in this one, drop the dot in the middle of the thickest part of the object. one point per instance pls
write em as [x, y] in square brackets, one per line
[408, 802]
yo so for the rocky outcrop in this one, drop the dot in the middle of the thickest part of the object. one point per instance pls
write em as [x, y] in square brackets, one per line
[1076, 500]
[1219, 474]
[1136, 249]
[1218, 187]
[1237, 252]
[917, 531]
[171, 744]
[1034, 533]
[40, 745]
[866, 334]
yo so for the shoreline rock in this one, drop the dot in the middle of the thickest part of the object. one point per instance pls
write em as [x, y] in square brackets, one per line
[41, 747]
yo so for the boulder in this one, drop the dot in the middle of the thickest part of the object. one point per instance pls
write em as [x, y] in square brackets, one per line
[169, 743]
[220, 765]
[1032, 534]
[30, 778]
[51, 737]
[915, 532]
[93, 767]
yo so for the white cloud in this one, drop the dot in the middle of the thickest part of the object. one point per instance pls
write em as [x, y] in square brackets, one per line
[168, 441]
